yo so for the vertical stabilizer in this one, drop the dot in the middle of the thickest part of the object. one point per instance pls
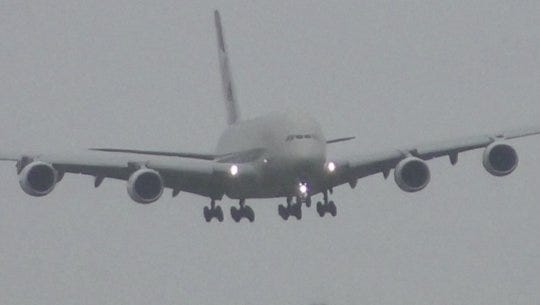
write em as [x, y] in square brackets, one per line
[233, 114]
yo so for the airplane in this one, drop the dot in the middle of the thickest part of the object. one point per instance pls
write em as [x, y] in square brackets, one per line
[278, 155]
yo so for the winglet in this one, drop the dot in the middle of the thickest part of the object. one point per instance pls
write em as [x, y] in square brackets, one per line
[233, 114]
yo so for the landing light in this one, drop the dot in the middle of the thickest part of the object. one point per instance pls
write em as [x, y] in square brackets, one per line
[233, 170]
[303, 188]
[331, 167]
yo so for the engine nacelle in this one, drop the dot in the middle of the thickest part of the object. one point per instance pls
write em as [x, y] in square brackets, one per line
[412, 174]
[145, 185]
[38, 178]
[500, 159]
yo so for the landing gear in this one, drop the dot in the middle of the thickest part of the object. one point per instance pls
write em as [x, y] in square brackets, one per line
[327, 206]
[291, 209]
[308, 201]
[244, 211]
[213, 212]
[330, 207]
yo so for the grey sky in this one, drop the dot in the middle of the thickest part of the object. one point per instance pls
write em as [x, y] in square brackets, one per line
[144, 75]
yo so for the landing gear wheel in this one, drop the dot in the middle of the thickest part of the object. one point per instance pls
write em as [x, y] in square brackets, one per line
[248, 213]
[235, 214]
[296, 210]
[282, 211]
[320, 209]
[332, 208]
[219, 213]
[244, 211]
[206, 213]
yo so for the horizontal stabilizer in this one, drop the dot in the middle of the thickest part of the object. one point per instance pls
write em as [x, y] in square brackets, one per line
[159, 153]
[236, 157]
[340, 140]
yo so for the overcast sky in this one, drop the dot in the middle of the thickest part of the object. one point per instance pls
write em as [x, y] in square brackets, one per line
[145, 75]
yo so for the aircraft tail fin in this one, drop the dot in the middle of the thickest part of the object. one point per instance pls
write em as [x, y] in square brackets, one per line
[233, 114]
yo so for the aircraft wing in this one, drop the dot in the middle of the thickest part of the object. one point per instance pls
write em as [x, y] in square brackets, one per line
[350, 169]
[202, 177]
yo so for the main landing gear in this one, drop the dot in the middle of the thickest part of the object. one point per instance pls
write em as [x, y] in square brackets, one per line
[291, 209]
[327, 206]
[244, 211]
[213, 212]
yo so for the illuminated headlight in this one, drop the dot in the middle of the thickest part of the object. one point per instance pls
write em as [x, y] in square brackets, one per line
[233, 170]
[331, 166]
[303, 188]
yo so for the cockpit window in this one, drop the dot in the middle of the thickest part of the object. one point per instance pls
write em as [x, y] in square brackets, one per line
[300, 137]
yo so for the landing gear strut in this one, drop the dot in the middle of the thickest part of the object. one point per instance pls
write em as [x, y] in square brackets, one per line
[291, 209]
[308, 201]
[213, 212]
[244, 211]
[327, 206]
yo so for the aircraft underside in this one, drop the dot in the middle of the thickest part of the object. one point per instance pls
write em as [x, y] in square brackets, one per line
[292, 207]
[297, 191]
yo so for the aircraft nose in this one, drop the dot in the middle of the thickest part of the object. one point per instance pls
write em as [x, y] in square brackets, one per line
[307, 157]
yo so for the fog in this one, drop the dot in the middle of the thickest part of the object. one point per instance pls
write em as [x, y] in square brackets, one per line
[145, 75]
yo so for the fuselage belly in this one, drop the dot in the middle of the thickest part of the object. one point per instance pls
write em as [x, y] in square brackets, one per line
[291, 152]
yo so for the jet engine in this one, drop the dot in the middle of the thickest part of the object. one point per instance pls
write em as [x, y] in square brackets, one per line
[412, 174]
[145, 185]
[500, 159]
[38, 178]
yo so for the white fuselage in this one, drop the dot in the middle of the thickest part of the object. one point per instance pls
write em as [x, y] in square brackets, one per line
[287, 151]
